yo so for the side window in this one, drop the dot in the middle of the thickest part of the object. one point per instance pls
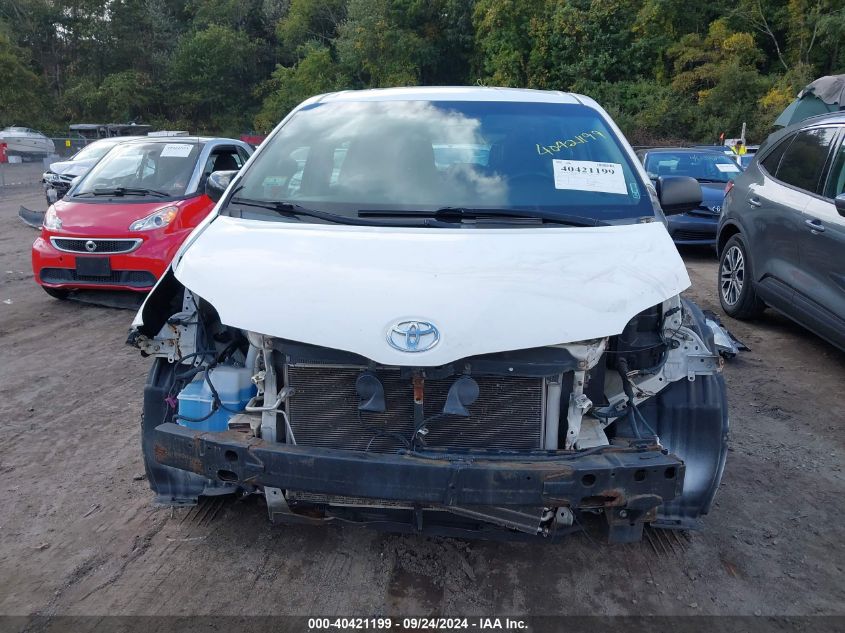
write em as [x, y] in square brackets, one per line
[221, 159]
[836, 180]
[226, 159]
[771, 162]
[803, 162]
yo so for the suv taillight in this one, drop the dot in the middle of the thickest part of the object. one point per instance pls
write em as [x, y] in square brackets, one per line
[729, 186]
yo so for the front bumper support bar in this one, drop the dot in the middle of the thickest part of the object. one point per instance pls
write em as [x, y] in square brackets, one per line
[629, 480]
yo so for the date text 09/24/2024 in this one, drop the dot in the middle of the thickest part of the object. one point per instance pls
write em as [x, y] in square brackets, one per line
[417, 624]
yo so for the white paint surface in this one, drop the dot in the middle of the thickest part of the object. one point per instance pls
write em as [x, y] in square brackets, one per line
[486, 290]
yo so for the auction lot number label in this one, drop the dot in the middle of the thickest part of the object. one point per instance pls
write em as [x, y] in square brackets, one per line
[587, 175]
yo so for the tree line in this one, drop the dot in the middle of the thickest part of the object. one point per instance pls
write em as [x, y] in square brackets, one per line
[664, 69]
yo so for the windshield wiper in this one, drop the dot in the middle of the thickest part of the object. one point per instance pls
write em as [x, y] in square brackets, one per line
[710, 180]
[444, 217]
[291, 209]
[460, 214]
[127, 191]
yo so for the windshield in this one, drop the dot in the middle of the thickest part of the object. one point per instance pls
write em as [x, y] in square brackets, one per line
[422, 156]
[164, 168]
[93, 151]
[703, 166]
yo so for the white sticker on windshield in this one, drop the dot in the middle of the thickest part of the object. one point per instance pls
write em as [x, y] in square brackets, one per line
[586, 175]
[725, 168]
[177, 150]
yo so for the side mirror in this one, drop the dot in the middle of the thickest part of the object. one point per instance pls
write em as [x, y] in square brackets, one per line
[217, 183]
[678, 194]
[839, 201]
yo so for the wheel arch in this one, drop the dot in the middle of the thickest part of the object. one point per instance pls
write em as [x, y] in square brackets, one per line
[725, 233]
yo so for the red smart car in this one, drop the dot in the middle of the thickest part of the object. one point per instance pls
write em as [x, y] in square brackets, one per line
[122, 223]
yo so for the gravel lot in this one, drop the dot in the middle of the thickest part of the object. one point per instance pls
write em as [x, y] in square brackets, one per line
[80, 535]
[20, 174]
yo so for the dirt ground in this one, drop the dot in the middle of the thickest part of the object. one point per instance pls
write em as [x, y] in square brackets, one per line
[20, 173]
[79, 534]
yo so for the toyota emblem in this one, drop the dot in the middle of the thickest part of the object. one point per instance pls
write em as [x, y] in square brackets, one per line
[90, 246]
[413, 336]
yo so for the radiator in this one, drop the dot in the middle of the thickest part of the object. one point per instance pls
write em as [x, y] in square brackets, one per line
[323, 412]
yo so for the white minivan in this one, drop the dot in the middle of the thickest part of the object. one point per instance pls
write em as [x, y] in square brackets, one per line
[444, 310]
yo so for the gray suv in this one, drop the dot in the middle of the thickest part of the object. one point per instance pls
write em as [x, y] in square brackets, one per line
[781, 237]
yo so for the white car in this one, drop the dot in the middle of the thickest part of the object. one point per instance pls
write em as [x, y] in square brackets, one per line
[444, 310]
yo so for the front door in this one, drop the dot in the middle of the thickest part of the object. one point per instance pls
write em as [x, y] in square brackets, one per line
[822, 252]
[771, 213]
[785, 198]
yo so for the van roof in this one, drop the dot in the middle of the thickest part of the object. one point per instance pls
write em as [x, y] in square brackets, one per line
[455, 93]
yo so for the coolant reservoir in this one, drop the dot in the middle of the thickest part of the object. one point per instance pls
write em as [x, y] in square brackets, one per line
[235, 388]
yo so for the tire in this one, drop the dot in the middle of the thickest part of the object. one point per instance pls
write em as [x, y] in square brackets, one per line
[56, 293]
[736, 281]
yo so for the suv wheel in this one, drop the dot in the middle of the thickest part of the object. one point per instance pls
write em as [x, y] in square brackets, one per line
[736, 286]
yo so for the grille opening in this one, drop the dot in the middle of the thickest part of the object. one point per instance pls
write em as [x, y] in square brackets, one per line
[695, 234]
[101, 246]
[132, 278]
[324, 412]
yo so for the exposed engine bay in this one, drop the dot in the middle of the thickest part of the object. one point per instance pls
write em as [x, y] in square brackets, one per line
[522, 442]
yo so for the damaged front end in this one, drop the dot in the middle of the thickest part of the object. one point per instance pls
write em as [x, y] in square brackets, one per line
[630, 428]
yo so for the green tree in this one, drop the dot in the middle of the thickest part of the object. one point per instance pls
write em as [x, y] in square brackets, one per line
[307, 21]
[211, 74]
[315, 73]
[21, 89]
[583, 40]
[503, 39]
[718, 76]
[378, 46]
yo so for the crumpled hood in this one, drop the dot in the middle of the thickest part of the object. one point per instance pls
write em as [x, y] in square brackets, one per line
[485, 290]
[72, 167]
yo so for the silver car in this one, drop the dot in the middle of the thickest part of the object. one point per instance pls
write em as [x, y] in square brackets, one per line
[781, 237]
[60, 175]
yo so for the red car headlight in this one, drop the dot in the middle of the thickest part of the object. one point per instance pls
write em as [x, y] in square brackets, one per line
[52, 221]
[156, 220]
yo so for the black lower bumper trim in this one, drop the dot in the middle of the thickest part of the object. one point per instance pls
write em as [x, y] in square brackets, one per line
[132, 278]
[630, 477]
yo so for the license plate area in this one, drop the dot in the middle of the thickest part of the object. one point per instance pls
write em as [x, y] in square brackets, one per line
[93, 266]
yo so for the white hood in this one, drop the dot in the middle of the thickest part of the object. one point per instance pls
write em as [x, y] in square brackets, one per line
[73, 167]
[486, 290]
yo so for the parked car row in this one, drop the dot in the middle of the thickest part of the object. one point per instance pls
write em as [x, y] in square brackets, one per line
[513, 355]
